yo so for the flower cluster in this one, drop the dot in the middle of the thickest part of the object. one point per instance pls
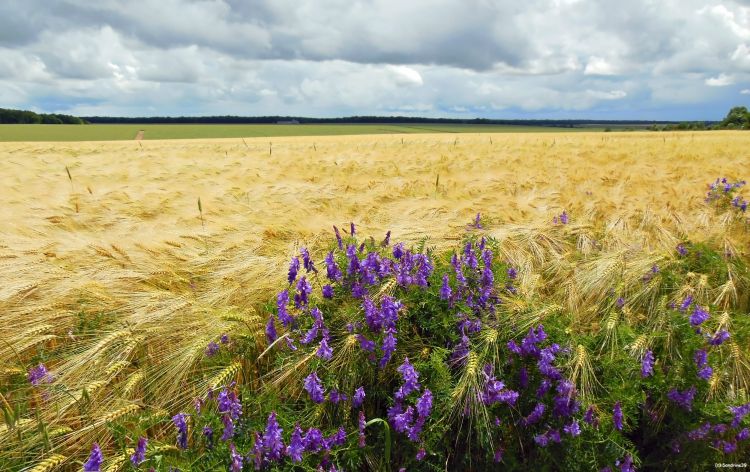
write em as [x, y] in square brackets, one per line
[722, 193]
[410, 420]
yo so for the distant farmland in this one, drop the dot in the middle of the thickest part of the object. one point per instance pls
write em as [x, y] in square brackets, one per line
[121, 132]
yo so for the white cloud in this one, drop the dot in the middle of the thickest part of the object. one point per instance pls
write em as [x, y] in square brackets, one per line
[722, 80]
[405, 75]
[745, 92]
[598, 66]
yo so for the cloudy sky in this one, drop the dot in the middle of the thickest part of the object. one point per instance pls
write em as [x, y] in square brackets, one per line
[648, 59]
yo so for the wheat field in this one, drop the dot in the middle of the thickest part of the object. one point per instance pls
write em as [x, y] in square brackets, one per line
[112, 273]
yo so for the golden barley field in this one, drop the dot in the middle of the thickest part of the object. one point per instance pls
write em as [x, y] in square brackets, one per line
[117, 240]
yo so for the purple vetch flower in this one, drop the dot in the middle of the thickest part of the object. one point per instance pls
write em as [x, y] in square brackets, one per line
[401, 422]
[359, 397]
[728, 447]
[335, 396]
[410, 376]
[698, 316]
[336, 439]
[387, 240]
[94, 462]
[647, 364]
[572, 428]
[617, 416]
[224, 338]
[700, 433]
[327, 291]
[307, 261]
[470, 257]
[544, 387]
[313, 440]
[683, 399]
[304, 290]
[212, 349]
[705, 372]
[314, 388]
[686, 303]
[389, 347]
[228, 403]
[38, 375]
[282, 300]
[324, 350]
[424, 404]
[564, 217]
[398, 251]
[535, 415]
[228, 432]
[421, 454]
[743, 435]
[352, 229]
[293, 270]
[620, 302]
[590, 417]
[512, 273]
[290, 344]
[236, 459]
[180, 423]
[338, 237]
[626, 465]
[296, 445]
[682, 250]
[362, 424]
[208, 433]
[739, 413]
[445, 289]
[366, 344]
[273, 445]
[719, 338]
[333, 272]
[523, 377]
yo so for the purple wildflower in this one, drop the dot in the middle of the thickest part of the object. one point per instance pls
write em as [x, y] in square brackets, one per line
[739, 413]
[212, 349]
[362, 424]
[293, 269]
[324, 350]
[304, 289]
[719, 338]
[258, 450]
[236, 459]
[224, 339]
[421, 454]
[686, 303]
[338, 237]
[228, 432]
[94, 463]
[359, 397]
[352, 229]
[682, 250]
[366, 344]
[627, 464]
[38, 375]
[229, 403]
[208, 433]
[617, 416]
[282, 300]
[140, 452]
[333, 272]
[272, 442]
[700, 433]
[307, 261]
[445, 289]
[410, 376]
[314, 388]
[296, 445]
[535, 415]
[424, 404]
[313, 440]
[698, 316]
[327, 291]
[572, 428]
[398, 251]
[647, 364]
[389, 347]
[181, 425]
[683, 399]
[564, 217]
[743, 435]
[512, 273]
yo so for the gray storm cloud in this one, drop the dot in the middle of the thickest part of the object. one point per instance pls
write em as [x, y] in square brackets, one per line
[335, 57]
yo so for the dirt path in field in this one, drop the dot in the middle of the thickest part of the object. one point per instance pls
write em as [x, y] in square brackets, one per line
[139, 135]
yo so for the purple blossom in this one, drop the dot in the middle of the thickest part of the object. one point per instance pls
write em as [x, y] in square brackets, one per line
[470, 257]
[208, 433]
[719, 338]
[273, 446]
[139, 455]
[620, 302]
[212, 349]
[743, 435]
[229, 403]
[647, 364]
[705, 372]
[424, 404]
[401, 422]
[366, 344]
[683, 399]
[362, 424]
[333, 272]
[314, 388]
[698, 316]
[180, 423]
[682, 250]
[94, 462]
[335, 396]
[224, 339]
[351, 253]
[512, 273]
[445, 289]
[535, 415]
[296, 445]
[523, 377]
[338, 237]
[387, 239]
[700, 433]
[728, 447]
[307, 261]
[389, 347]
[398, 251]
[304, 290]
[228, 432]
[572, 428]
[627, 464]
[617, 416]
[564, 217]
[324, 350]
[739, 413]
[410, 376]
[352, 229]
[293, 269]
[327, 291]
[359, 397]
[282, 300]
[38, 375]
[313, 440]
[686, 303]
[258, 449]
[236, 459]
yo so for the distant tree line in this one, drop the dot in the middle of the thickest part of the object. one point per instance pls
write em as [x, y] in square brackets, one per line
[737, 118]
[8, 116]
[360, 120]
